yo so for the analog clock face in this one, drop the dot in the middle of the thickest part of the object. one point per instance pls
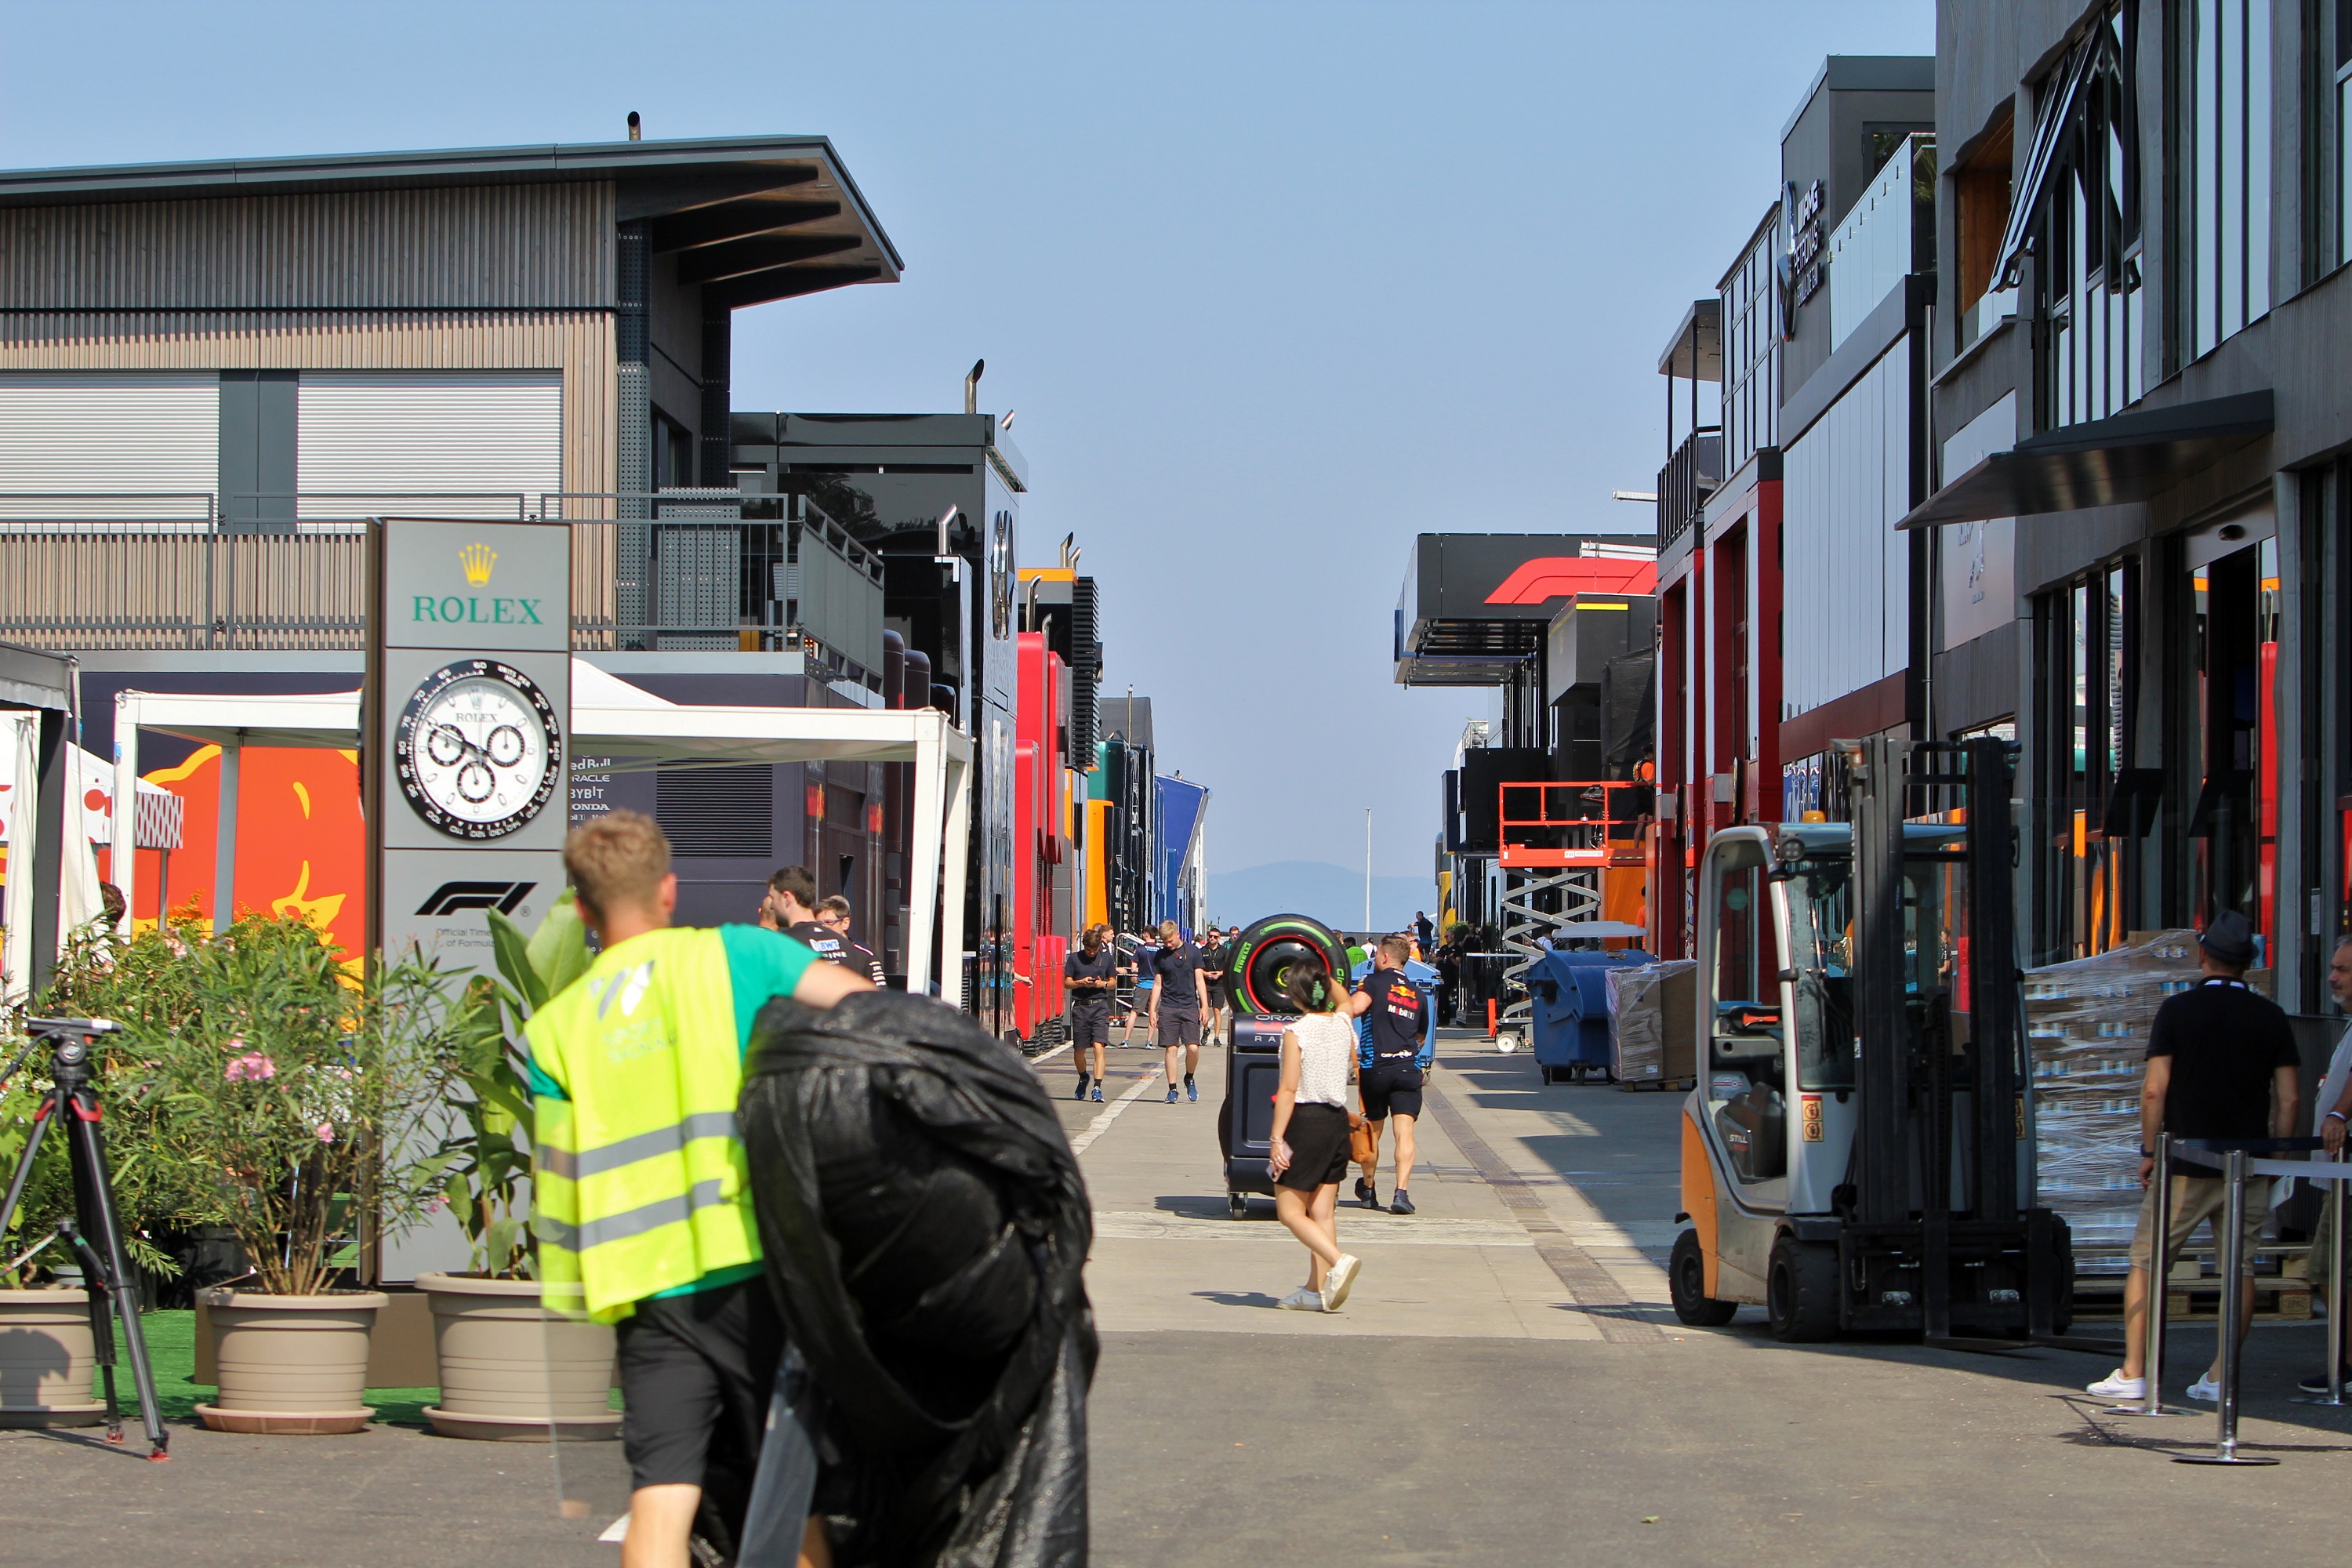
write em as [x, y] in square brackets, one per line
[478, 750]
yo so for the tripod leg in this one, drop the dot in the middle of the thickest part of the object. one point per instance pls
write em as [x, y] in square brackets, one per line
[101, 1321]
[42, 1116]
[92, 1182]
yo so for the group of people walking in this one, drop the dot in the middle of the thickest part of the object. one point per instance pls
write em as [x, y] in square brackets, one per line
[1374, 1034]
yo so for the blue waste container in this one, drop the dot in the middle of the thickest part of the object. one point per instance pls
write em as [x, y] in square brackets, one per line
[1571, 995]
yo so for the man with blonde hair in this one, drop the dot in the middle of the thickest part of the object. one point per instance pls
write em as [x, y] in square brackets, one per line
[1179, 996]
[641, 1202]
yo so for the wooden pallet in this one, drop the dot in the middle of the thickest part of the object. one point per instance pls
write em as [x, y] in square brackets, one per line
[1678, 1085]
[2194, 1296]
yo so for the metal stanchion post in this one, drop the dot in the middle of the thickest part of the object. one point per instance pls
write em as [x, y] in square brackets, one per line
[2159, 1275]
[2337, 1347]
[2233, 1263]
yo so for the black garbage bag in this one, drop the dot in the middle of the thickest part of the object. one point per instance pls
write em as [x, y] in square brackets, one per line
[925, 1228]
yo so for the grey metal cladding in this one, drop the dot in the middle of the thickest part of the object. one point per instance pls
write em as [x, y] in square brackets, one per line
[481, 246]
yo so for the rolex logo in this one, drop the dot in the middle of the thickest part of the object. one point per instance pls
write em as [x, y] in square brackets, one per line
[477, 560]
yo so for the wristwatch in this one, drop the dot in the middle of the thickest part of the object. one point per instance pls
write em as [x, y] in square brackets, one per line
[2147, 1153]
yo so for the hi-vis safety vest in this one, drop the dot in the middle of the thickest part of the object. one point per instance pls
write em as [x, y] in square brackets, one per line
[639, 1181]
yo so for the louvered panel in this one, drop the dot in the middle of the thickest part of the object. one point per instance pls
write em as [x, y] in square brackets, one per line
[728, 811]
[443, 443]
[148, 442]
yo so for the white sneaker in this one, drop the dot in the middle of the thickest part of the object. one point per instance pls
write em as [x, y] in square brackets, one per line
[2115, 1385]
[1304, 1300]
[1339, 1280]
[2205, 1391]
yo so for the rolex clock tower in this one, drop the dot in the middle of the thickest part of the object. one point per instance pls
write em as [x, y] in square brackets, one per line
[467, 729]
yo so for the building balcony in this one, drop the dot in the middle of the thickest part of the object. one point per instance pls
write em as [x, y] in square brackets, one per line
[690, 570]
[1690, 476]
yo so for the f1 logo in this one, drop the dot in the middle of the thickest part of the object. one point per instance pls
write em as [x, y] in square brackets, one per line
[454, 897]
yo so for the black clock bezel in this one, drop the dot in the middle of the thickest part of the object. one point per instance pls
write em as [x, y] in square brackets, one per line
[404, 738]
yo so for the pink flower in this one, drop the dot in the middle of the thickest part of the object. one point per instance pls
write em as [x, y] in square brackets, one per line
[251, 1068]
[326, 1131]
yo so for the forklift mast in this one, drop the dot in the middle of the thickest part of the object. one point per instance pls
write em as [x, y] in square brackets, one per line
[1913, 1067]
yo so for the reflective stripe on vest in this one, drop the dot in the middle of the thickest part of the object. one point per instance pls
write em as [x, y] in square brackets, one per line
[639, 1181]
[643, 1146]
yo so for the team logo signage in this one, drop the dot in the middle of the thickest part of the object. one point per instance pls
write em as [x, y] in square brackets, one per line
[469, 710]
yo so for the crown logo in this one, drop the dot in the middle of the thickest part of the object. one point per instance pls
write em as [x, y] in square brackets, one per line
[477, 560]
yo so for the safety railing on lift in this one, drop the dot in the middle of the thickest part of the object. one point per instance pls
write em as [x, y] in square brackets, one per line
[1555, 840]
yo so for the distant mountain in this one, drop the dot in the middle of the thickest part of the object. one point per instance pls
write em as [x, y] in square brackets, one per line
[1332, 894]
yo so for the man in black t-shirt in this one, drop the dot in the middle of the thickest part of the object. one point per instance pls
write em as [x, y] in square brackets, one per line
[1390, 1065]
[1178, 995]
[1091, 975]
[2221, 1063]
[834, 915]
[791, 908]
[1212, 976]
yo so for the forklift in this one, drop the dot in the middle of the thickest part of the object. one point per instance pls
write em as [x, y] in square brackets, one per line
[1857, 1153]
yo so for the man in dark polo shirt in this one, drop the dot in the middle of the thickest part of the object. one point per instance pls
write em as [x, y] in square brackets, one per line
[2221, 1063]
[1092, 977]
[1178, 999]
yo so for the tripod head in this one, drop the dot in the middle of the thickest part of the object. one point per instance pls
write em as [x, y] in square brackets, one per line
[68, 1041]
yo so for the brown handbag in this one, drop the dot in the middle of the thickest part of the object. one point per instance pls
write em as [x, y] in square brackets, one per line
[1361, 1147]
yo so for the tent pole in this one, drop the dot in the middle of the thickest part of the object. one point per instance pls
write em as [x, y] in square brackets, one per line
[224, 840]
[923, 880]
[122, 852]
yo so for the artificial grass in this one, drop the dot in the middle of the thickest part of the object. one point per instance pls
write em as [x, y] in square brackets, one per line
[172, 1352]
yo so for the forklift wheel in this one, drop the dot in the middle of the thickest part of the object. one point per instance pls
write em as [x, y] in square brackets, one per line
[1686, 1284]
[1237, 1205]
[1800, 1290]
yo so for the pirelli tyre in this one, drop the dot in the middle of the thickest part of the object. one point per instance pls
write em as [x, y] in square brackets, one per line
[1267, 951]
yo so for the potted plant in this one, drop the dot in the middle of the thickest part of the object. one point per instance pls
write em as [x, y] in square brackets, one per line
[510, 1368]
[294, 1087]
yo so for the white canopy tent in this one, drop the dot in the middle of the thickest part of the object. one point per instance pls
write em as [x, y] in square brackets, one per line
[613, 718]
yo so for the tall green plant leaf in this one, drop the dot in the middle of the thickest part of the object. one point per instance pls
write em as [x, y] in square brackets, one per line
[511, 949]
[559, 947]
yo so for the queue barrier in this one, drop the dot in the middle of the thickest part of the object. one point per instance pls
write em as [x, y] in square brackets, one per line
[2236, 1158]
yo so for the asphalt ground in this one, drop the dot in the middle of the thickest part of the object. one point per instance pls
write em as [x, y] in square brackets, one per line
[1505, 1387]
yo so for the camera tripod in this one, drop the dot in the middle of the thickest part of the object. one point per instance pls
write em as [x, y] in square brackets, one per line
[113, 1291]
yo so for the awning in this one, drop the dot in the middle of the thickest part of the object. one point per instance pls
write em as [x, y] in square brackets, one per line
[2106, 462]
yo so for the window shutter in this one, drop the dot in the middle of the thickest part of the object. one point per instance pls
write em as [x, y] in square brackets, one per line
[439, 443]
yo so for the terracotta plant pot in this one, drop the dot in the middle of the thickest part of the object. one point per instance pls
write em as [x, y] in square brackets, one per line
[292, 1366]
[513, 1371]
[45, 1360]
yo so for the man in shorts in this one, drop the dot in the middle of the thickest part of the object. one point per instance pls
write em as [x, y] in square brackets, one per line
[1212, 974]
[645, 1050]
[1390, 1065]
[1091, 975]
[1179, 997]
[2221, 1063]
[832, 914]
[2334, 1101]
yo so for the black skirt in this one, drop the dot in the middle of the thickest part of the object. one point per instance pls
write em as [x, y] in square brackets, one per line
[1318, 1136]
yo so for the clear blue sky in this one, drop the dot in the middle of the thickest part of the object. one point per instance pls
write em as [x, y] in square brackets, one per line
[1273, 287]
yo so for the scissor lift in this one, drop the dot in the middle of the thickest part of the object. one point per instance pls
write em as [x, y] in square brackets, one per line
[1555, 836]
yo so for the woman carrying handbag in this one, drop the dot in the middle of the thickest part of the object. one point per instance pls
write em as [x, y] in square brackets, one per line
[1313, 1134]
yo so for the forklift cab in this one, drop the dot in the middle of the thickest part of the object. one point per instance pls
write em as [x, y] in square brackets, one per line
[1830, 1163]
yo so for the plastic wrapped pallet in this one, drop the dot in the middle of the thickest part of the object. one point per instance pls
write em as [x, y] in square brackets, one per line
[2088, 1022]
[1650, 1021]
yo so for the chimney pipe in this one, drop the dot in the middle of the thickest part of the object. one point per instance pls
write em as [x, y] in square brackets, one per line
[947, 520]
[971, 387]
[636, 127]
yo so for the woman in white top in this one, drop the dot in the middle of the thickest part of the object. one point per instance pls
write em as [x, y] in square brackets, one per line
[1310, 1134]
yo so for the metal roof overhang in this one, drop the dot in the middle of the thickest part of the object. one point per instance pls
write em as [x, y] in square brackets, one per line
[755, 217]
[2106, 462]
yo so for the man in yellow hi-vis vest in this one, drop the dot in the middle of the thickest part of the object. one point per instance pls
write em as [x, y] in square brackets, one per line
[640, 1202]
